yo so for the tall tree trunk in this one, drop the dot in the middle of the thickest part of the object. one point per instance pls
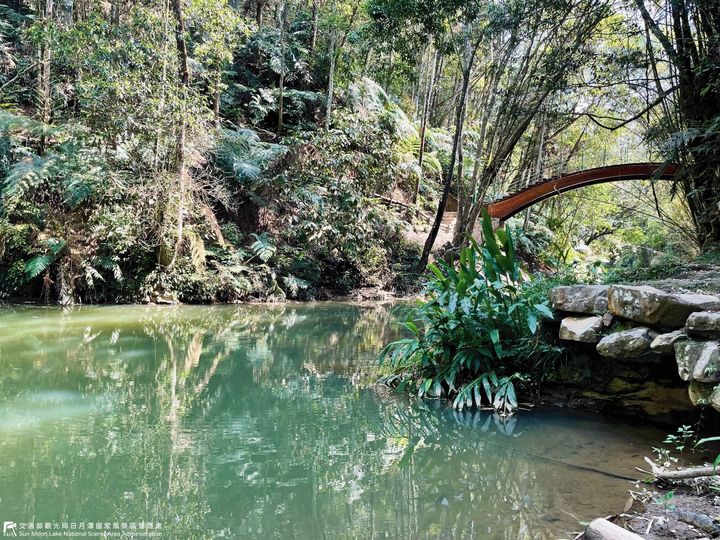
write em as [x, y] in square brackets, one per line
[281, 84]
[457, 141]
[216, 98]
[429, 88]
[44, 77]
[331, 82]
[259, 8]
[184, 78]
[314, 28]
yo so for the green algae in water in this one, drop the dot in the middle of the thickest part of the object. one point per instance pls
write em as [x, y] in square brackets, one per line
[257, 422]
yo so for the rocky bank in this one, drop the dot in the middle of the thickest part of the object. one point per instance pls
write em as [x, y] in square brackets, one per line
[637, 349]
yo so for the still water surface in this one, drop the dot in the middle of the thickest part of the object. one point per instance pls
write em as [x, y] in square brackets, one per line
[259, 422]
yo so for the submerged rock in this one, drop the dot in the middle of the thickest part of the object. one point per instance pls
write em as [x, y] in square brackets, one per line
[649, 305]
[665, 343]
[633, 343]
[704, 323]
[582, 329]
[698, 360]
[586, 299]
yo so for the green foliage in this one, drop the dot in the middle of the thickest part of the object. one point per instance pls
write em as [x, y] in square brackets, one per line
[474, 338]
[243, 156]
[262, 247]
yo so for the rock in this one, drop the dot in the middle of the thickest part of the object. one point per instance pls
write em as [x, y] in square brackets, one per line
[602, 529]
[608, 319]
[648, 305]
[698, 360]
[582, 329]
[704, 323]
[587, 299]
[665, 343]
[633, 343]
[700, 392]
[715, 398]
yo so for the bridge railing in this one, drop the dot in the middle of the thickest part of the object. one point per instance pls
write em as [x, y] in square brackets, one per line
[514, 181]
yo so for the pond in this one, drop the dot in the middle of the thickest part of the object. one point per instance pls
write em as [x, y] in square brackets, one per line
[262, 422]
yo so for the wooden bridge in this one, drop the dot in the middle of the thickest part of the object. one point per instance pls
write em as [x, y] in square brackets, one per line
[529, 192]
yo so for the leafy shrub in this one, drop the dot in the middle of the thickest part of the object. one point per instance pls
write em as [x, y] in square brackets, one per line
[474, 337]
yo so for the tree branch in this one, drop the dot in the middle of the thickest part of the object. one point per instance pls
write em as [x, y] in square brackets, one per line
[624, 122]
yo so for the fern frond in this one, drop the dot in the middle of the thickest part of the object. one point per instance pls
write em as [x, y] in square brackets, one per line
[37, 265]
[294, 284]
[262, 247]
[26, 176]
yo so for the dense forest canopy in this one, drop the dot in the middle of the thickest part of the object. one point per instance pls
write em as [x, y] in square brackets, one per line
[204, 150]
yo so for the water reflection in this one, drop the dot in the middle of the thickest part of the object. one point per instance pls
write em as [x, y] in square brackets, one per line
[249, 422]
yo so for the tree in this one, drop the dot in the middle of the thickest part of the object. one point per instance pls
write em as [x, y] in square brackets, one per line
[691, 44]
[532, 57]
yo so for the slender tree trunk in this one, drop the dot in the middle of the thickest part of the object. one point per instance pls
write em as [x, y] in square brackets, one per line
[457, 141]
[44, 75]
[331, 82]
[281, 85]
[314, 28]
[184, 78]
[216, 98]
[430, 86]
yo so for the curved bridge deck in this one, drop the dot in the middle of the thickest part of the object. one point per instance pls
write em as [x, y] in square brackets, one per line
[538, 191]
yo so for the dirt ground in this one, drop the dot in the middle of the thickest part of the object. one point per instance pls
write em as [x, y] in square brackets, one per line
[688, 512]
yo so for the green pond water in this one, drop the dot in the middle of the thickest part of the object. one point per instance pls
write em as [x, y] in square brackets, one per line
[262, 422]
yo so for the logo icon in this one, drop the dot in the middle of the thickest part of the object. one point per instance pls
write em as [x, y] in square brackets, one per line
[8, 527]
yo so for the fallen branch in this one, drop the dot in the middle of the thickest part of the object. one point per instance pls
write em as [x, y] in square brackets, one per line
[602, 529]
[681, 474]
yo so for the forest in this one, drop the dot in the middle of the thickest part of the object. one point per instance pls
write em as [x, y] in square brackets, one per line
[223, 151]
[511, 207]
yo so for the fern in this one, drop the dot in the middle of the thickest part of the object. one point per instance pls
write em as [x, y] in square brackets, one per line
[37, 265]
[107, 263]
[262, 247]
[26, 176]
[294, 284]
[243, 156]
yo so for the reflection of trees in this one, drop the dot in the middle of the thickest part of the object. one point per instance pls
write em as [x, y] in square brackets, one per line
[245, 421]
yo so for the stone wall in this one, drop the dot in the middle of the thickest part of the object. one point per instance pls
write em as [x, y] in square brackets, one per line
[637, 349]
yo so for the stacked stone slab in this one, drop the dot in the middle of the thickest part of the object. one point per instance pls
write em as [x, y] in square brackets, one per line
[642, 324]
[590, 302]
[698, 358]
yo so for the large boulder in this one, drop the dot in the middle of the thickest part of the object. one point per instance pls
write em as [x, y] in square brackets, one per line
[665, 343]
[715, 398]
[582, 329]
[628, 344]
[649, 305]
[586, 299]
[704, 323]
[698, 360]
[700, 393]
